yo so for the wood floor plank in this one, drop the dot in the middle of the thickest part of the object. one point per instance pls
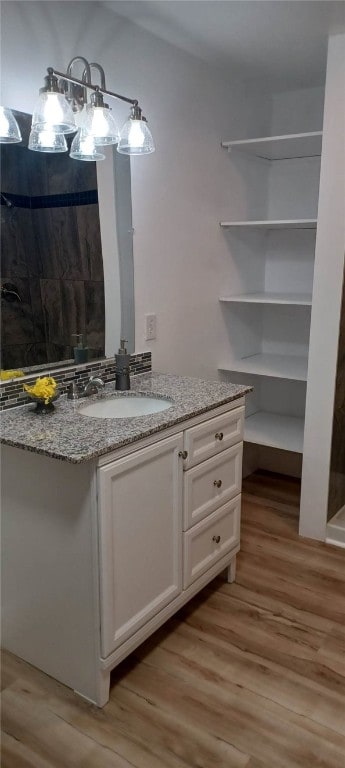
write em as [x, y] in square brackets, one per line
[247, 675]
[49, 736]
[220, 659]
[17, 755]
[152, 738]
[103, 728]
[329, 571]
[194, 745]
[279, 608]
[294, 653]
[331, 654]
[227, 713]
[275, 579]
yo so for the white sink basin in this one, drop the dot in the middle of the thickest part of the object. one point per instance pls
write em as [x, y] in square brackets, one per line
[124, 407]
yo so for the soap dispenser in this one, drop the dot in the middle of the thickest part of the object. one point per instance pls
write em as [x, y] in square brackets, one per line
[122, 361]
[81, 353]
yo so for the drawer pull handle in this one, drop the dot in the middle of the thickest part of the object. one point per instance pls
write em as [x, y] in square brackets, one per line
[216, 539]
[219, 435]
[217, 483]
[183, 454]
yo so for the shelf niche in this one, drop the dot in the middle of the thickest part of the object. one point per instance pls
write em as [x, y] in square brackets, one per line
[291, 367]
[275, 431]
[269, 297]
[274, 271]
[286, 147]
[276, 224]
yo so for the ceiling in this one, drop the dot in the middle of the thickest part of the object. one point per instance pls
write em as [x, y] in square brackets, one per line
[281, 42]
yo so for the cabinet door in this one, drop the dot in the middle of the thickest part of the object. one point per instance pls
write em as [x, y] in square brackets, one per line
[140, 523]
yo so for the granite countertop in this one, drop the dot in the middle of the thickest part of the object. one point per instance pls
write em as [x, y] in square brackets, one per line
[66, 434]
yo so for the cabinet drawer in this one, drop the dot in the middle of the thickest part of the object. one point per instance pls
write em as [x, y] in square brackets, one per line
[211, 484]
[210, 540]
[213, 436]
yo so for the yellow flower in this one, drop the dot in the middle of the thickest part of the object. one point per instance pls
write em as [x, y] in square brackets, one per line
[9, 374]
[43, 389]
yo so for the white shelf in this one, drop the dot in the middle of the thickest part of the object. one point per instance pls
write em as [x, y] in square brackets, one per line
[280, 147]
[288, 184]
[276, 224]
[284, 432]
[291, 367]
[302, 299]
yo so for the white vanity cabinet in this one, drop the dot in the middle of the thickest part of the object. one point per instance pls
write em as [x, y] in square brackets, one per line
[97, 555]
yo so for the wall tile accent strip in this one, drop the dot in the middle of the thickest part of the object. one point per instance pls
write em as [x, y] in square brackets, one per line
[66, 200]
[12, 393]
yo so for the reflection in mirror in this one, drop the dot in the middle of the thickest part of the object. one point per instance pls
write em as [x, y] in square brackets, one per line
[52, 271]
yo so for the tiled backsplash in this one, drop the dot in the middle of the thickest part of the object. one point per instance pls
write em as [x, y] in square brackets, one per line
[12, 393]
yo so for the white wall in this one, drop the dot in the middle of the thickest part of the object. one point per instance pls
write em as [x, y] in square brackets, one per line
[182, 191]
[297, 111]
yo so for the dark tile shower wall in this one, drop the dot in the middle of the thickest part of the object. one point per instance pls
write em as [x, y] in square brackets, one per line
[51, 251]
[336, 497]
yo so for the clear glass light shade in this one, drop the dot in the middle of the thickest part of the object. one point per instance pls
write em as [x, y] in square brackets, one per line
[135, 138]
[53, 112]
[99, 123]
[47, 141]
[79, 118]
[9, 128]
[83, 147]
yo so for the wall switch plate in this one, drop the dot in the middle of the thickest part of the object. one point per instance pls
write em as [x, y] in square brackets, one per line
[150, 327]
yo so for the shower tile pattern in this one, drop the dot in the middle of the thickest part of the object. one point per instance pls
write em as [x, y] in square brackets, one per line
[51, 251]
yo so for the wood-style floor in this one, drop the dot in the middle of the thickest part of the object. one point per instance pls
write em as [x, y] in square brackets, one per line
[248, 675]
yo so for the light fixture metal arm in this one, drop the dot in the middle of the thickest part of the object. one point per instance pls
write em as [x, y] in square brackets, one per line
[87, 70]
[77, 95]
[92, 87]
[94, 65]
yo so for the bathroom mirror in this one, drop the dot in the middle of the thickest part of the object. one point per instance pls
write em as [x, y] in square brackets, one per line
[66, 255]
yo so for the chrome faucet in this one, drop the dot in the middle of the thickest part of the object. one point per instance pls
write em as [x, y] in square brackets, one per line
[92, 386]
[76, 391]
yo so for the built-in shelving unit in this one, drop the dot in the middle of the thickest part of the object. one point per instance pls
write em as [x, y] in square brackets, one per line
[277, 224]
[294, 367]
[266, 297]
[276, 431]
[280, 147]
[273, 279]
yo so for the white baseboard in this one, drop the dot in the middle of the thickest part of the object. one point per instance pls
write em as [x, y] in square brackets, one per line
[335, 543]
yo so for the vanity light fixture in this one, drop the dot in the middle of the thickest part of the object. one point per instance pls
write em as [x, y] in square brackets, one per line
[63, 109]
[45, 140]
[84, 148]
[52, 111]
[9, 128]
[98, 122]
[135, 136]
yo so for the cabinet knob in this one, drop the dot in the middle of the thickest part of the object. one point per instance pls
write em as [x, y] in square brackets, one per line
[217, 483]
[216, 539]
[183, 454]
[219, 435]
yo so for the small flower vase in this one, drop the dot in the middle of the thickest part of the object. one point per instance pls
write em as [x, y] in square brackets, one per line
[42, 407]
